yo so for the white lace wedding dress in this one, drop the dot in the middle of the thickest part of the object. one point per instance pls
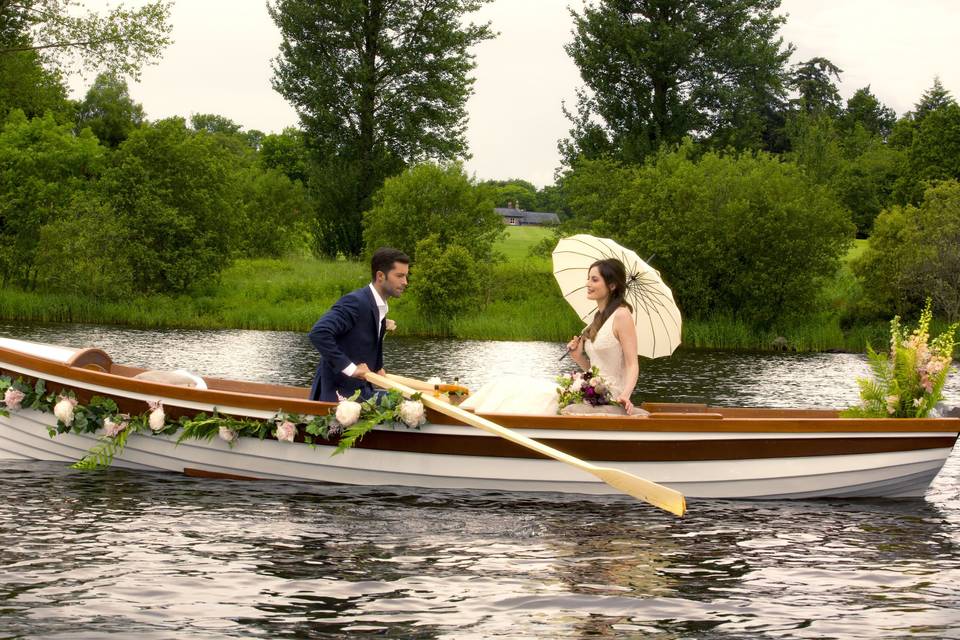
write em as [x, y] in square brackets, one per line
[526, 395]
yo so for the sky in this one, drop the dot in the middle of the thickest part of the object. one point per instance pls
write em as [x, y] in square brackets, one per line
[524, 76]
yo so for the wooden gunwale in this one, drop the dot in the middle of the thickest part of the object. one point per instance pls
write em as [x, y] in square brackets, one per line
[666, 417]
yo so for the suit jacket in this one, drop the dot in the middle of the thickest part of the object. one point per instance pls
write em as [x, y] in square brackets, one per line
[349, 332]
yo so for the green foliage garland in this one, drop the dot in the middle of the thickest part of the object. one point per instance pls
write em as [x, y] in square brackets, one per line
[100, 413]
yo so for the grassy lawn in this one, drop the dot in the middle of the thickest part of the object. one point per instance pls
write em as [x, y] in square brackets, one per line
[519, 240]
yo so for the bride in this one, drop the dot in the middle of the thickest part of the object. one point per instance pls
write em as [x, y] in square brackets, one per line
[608, 343]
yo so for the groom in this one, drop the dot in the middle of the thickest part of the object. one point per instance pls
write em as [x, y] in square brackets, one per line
[349, 336]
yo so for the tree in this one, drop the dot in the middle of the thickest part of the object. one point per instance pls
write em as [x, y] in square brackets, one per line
[657, 71]
[429, 199]
[519, 194]
[817, 92]
[174, 191]
[378, 85]
[109, 110]
[935, 148]
[213, 123]
[866, 110]
[46, 168]
[26, 85]
[749, 236]
[914, 252]
[119, 43]
[933, 99]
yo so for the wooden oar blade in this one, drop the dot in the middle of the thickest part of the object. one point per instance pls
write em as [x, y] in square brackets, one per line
[658, 495]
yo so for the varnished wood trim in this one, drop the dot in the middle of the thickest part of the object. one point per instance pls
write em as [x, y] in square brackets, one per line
[672, 417]
[648, 451]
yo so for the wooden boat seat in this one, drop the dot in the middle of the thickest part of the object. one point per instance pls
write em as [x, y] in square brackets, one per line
[91, 358]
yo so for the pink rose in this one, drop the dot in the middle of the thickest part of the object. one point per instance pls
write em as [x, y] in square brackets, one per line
[12, 398]
[113, 428]
[227, 434]
[286, 431]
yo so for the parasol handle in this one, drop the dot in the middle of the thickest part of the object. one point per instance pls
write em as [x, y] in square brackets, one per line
[567, 352]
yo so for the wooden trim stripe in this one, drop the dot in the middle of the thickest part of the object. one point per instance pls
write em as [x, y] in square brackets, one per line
[649, 450]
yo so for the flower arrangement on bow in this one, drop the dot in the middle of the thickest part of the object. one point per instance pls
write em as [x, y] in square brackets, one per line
[583, 387]
[348, 423]
[908, 382]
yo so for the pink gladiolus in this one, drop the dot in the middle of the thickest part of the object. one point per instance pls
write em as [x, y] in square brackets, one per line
[13, 398]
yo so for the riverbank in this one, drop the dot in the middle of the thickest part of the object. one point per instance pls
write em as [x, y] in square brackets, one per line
[523, 303]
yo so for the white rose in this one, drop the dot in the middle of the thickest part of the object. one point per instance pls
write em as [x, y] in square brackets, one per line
[348, 412]
[157, 417]
[412, 413]
[434, 380]
[227, 434]
[576, 385]
[286, 431]
[64, 410]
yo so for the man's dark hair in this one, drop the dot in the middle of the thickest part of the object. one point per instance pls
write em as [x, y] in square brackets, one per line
[383, 259]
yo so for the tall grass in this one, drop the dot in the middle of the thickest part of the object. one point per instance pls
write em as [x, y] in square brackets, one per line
[522, 303]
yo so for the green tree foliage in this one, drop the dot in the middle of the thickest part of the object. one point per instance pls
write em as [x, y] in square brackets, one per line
[26, 85]
[120, 42]
[213, 123]
[85, 252]
[517, 193]
[109, 110]
[433, 200]
[45, 170]
[172, 190]
[748, 236]
[286, 152]
[447, 280]
[865, 184]
[272, 213]
[816, 91]
[657, 71]
[935, 148]
[865, 110]
[915, 252]
[933, 99]
[378, 84]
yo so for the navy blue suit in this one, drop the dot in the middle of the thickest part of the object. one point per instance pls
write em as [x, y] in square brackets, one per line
[350, 332]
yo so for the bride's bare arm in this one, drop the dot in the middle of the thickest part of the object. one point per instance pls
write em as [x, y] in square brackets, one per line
[626, 334]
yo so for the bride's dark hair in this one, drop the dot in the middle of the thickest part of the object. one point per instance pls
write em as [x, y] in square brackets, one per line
[614, 275]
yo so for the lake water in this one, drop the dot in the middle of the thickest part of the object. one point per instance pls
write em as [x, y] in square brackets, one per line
[130, 554]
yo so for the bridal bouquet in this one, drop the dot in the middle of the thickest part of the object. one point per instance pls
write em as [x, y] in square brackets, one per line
[583, 386]
[909, 381]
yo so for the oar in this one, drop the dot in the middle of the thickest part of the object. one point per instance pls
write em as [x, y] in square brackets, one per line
[657, 495]
[423, 385]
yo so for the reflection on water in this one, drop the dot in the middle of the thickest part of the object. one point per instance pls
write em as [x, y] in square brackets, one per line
[120, 553]
[722, 378]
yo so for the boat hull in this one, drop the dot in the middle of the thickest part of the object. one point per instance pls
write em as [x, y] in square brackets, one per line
[703, 452]
[24, 436]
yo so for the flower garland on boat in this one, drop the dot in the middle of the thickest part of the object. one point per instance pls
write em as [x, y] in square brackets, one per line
[351, 420]
[907, 383]
[583, 387]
